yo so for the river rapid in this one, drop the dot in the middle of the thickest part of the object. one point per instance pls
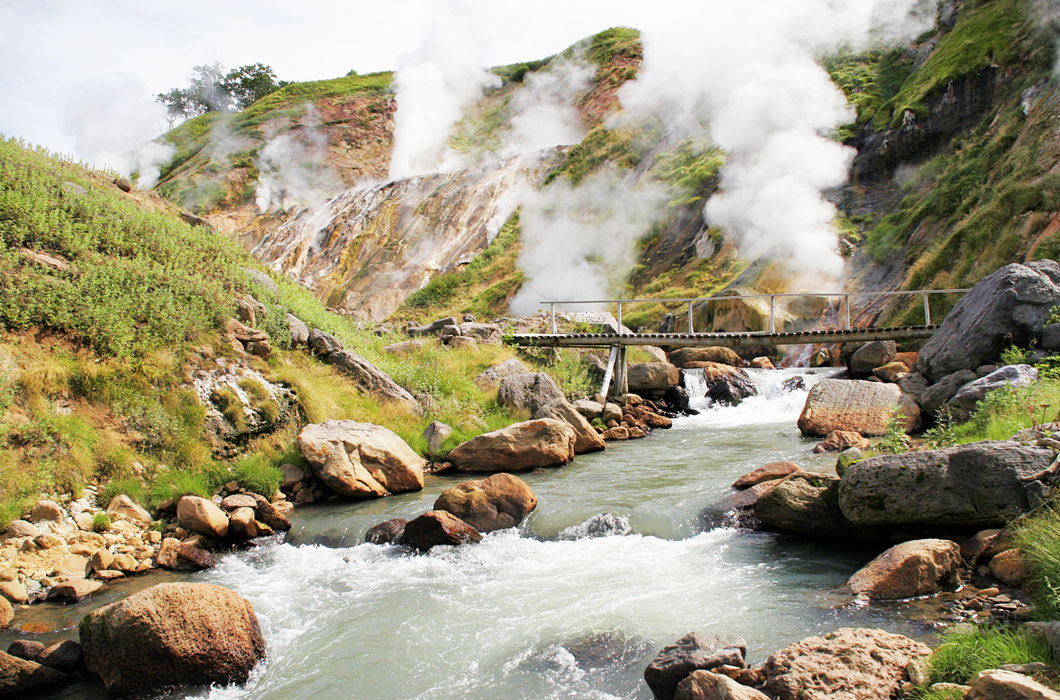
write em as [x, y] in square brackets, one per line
[614, 564]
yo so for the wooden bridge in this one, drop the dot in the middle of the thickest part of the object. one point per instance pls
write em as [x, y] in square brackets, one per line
[618, 340]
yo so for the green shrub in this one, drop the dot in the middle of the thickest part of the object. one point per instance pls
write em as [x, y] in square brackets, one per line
[100, 522]
[1038, 537]
[258, 475]
[962, 655]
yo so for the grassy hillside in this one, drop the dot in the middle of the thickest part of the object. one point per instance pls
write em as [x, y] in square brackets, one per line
[109, 303]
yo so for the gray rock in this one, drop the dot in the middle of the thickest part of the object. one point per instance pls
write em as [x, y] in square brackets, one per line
[704, 685]
[935, 396]
[484, 332]
[299, 330]
[529, 391]
[492, 376]
[1049, 632]
[975, 485]
[260, 278]
[804, 503]
[693, 652]
[997, 684]
[856, 405]
[1051, 337]
[872, 355]
[435, 434]
[369, 377]
[1009, 306]
[323, 343]
[432, 328]
[963, 402]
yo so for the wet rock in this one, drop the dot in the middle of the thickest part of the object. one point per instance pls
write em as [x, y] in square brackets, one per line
[908, 570]
[599, 525]
[64, 656]
[725, 384]
[172, 635]
[19, 676]
[1010, 567]
[492, 376]
[586, 439]
[996, 684]
[726, 356]
[242, 525]
[705, 685]
[974, 485]
[870, 356]
[964, 401]
[73, 591]
[767, 472]
[690, 653]
[935, 396]
[202, 515]
[804, 503]
[855, 664]
[46, 511]
[839, 440]
[645, 377]
[1010, 306]
[855, 405]
[537, 443]
[269, 514]
[438, 527]
[360, 460]
[181, 556]
[27, 649]
[762, 363]
[494, 503]
[7, 613]
[891, 372]
[369, 378]
[386, 532]
[796, 383]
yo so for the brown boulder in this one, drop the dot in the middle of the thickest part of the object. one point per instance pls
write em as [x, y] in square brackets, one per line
[7, 613]
[360, 460]
[126, 506]
[242, 524]
[586, 439]
[64, 656]
[73, 591]
[617, 433]
[1010, 567]
[839, 440]
[690, 653]
[805, 503]
[546, 442]
[705, 685]
[892, 371]
[767, 472]
[386, 532]
[17, 676]
[202, 515]
[494, 503]
[172, 635]
[723, 355]
[761, 363]
[909, 569]
[239, 500]
[652, 376]
[854, 664]
[438, 527]
[270, 515]
[25, 649]
[181, 556]
[859, 406]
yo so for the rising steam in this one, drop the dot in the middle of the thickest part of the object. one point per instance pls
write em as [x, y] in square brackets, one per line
[293, 166]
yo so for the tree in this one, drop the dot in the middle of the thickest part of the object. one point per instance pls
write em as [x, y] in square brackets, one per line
[210, 89]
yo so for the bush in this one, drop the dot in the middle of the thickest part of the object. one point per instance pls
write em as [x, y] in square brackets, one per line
[258, 475]
[100, 522]
[1038, 538]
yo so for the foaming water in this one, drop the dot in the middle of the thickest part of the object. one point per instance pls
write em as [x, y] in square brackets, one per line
[613, 564]
[781, 396]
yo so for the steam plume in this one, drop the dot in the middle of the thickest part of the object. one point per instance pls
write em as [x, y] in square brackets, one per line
[293, 167]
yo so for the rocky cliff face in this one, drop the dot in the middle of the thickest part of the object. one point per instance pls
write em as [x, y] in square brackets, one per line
[366, 250]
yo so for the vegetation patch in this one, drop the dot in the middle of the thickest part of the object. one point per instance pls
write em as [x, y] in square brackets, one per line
[962, 655]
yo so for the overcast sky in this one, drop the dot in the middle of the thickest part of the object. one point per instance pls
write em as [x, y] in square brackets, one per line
[79, 77]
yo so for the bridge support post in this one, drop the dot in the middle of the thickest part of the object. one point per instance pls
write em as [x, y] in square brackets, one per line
[621, 375]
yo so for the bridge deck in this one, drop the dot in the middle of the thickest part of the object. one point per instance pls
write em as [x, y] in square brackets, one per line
[732, 340]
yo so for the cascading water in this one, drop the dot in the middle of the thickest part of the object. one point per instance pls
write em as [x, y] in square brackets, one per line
[613, 565]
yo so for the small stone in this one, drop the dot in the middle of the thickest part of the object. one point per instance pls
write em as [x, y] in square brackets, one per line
[47, 541]
[25, 649]
[21, 528]
[1009, 567]
[7, 613]
[14, 591]
[46, 511]
[73, 591]
[64, 656]
[101, 560]
[290, 475]
[109, 574]
[239, 500]
[125, 562]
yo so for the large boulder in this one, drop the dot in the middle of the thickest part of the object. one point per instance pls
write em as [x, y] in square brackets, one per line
[683, 356]
[909, 569]
[529, 391]
[725, 384]
[805, 503]
[870, 356]
[19, 676]
[124, 505]
[935, 396]
[546, 442]
[964, 401]
[201, 515]
[860, 406]
[492, 376]
[767, 472]
[437, 527]
[854, 664]
[690, 653]
[172, 635]
[360, 460]
[975, 485]
[370, 378]
[299, 330]
[704, 685]
[647, 377]
[1011, 305]
[494, 503]
[586, 439]
[183, 556]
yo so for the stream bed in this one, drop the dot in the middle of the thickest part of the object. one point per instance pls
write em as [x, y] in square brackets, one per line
[613, 565]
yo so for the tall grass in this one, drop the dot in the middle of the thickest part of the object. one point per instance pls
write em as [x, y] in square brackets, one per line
[963, 655]
[1003, 413]
[1038, 537]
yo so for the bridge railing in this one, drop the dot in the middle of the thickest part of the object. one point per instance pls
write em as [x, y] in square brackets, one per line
[691, 301]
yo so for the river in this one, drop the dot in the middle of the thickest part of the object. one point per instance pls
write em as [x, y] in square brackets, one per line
[613, 565]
